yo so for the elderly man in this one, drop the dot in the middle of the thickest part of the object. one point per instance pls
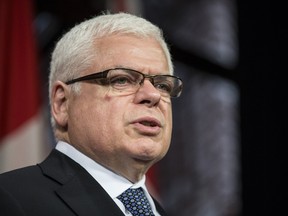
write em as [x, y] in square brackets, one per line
[111, 83]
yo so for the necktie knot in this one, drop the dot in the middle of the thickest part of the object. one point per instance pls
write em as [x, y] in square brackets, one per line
[136, 202]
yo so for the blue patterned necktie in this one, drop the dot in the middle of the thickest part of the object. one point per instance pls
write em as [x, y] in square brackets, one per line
[136, 202]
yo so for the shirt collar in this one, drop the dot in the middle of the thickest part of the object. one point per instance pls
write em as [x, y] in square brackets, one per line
[112, 183]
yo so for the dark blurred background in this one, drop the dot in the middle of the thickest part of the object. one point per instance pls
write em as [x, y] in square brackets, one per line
[227, 154]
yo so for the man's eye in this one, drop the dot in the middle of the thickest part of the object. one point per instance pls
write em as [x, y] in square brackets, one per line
[121, 81]
[164, 87]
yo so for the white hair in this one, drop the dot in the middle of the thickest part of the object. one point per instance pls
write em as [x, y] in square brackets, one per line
[75, 51]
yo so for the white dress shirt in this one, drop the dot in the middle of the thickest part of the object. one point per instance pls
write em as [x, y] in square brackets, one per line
[112, 183]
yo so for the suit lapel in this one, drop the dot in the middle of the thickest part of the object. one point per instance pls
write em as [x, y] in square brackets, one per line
[77, 188]
[159, 208]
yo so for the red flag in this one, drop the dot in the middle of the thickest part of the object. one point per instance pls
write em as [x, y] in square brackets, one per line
[20, 90]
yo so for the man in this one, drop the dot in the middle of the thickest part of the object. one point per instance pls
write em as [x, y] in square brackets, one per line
[110, 91]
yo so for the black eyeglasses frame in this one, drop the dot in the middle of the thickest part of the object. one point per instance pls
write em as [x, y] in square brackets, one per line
[103, 75]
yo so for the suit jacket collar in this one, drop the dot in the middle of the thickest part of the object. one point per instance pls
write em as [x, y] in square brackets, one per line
[77, 188]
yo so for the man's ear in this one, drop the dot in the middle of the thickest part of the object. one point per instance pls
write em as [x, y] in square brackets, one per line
[59, 103]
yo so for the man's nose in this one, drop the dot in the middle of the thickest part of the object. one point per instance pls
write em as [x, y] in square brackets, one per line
[147, 93]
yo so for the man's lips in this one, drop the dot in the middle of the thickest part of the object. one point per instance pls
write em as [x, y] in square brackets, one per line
[148, 121]
[148, 125]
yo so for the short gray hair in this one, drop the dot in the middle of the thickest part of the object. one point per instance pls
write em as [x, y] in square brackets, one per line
[75, 51]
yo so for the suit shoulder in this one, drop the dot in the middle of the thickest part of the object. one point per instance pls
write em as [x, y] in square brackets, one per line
[19, 176]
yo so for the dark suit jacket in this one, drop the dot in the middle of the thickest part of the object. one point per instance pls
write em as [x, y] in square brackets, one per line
[57, 186]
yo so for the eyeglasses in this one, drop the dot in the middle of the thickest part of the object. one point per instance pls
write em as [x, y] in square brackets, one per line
[128, 80]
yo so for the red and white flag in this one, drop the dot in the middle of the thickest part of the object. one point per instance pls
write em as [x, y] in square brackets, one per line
[22, 137]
